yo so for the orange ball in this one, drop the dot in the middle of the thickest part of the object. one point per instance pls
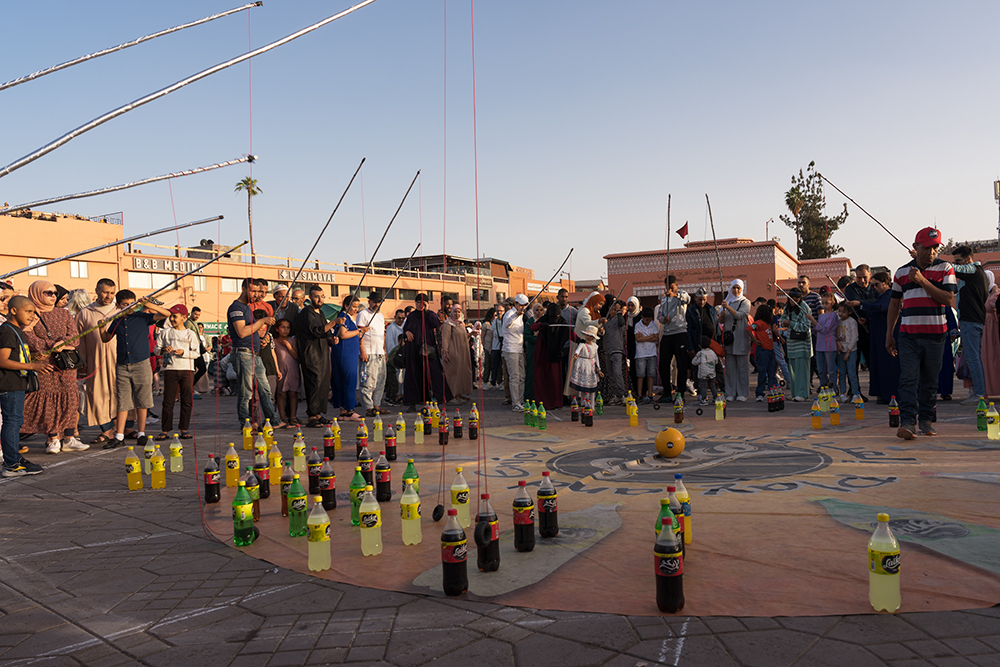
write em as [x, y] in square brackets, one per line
[669, 442]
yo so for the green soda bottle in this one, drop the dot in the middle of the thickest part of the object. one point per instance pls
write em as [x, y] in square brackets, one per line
[534, 415]
[981, 415]
[527, 413]
[665, 513]
[542, 417]
[242, 517]
[411, 473]
[599, 409]
[297, 516]
[358, 485]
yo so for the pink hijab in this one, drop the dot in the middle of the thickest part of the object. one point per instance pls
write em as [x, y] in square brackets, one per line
[36, 296]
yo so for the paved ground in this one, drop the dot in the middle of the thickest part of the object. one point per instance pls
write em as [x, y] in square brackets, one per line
[93, 574]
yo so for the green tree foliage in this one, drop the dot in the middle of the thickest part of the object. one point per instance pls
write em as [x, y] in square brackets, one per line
[807, 204]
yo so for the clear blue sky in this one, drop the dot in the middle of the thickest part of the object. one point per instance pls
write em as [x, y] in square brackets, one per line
[589, 114]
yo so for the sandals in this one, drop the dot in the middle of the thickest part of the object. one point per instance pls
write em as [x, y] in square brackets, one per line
[350, 417]
[112, 443]
[100, 440]
[23, 449]
[161, 437]
[132, 435]
[314, 423]
[186, 436]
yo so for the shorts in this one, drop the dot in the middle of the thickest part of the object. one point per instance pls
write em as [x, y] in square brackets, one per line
[134, 386]
[645, 367]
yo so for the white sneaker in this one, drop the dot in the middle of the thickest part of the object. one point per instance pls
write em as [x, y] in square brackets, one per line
[155, 420]
[760, 399]
[691, 388]
[844, 398]
[518, 408]
[74, 445]
[54, 446]
[741, 399]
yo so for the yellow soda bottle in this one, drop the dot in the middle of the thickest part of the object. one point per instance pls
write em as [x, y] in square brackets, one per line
[859, 408]
[268, 432]
[299, 454]
[401, 429]
[371, 524]
[720, 408]
[318, 524]
[336, 434]
[133, 470]
[633, 418]
[247, 436]
[460, 497]
[817, 415]
[176, 455]
[377, 428]
[883, 567]
[409, 512]
[834, 411]
[158, 464]
[992, 423]
[260, 443]
[274, 461]
[418, 430]
[435, 415]
[684, 498]
[232, 467]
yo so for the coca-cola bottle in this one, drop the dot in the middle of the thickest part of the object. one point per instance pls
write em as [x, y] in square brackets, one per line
[328, 485]
[313, 464]
[390, 443]
[213, 476]
[548, 508]
[365, 461]
[669, 571]
[456, 424]
[285, 482]
[454, 553]
[893, 413]
[524, 519]
[329, 444]
[488, 538]
[262, 471]
[383, 479]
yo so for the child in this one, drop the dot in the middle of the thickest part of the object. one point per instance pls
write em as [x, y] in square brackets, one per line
[826, 342]
[646, 333]
[761, 331]
[178, 346]
[705, 360]
[15, 369]
[288, 364]
[586, 366]
[133, 374]
[847, 346]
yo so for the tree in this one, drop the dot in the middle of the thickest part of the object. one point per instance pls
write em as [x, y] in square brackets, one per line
[249, 185]
[807, 204]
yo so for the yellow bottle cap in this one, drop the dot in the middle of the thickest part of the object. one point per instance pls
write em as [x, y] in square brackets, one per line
[882, 516]
[368, 487]
[458, 468]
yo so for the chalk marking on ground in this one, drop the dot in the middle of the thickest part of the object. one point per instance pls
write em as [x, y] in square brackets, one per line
[60, 463]
[88, 546]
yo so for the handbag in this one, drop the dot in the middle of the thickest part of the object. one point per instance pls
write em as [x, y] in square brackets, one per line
[727, 338]
[797, 335]
[64, 360]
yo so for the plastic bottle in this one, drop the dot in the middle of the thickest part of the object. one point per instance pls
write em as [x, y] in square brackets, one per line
[390, 444]
[297, 508]
[313, 464]
[460, 497]
[859, 408]
[366, 463]
[474, 423]
[299, 454]
[418, 430]
[443, 432]
[454, 557]
[400, 429]
[678, 511]
[263, 474]
[242, 517]
[232, 467]
[147, 455]
[336, 435]
[213, 476]
[318, 528]
[883, 567]
[435, 415]
[409, 513]
[274, 458]
[720, 408]
[252, 485]
[371, 524]
[588, 414]
[524, 519]
[666, 513]
[357, 490]
[543, 417]
[574, 411]
[158, 465]
[599, 406]
[548, 508]
[328, 485]
[824, 399]
[487, 543]
[980, 414]
[992, 423]
[633, 419]
[456, 425]
[133, 473]
[817, 415]
[412, 474]
[383, 479]
[361, 438]
[287, 475]
[834, 411]
[669, 572]
[176, 455]
[893, 413]
[428, 429]
[247, 436]
[377, 427]
[260, 444]
[329, 444]
[268, 432]
[532, 414]
[685, 499]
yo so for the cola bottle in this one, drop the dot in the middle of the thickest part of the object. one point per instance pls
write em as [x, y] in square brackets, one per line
[456, 423]
[669, 571]
[488, 537]
[365, 461]
[285, 482]
[548, 508]
[524, 519]
[361, 440]
[262, 471]
[313, 464]
[454, 554]
[383, 479]
[213, 476]
[328, 485]
[893, 413]
[390, 443]
[474, 423]
[329, 444]
[574, 411]
[443, 432]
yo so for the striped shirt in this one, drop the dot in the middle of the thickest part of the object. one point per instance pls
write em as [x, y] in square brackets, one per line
[920, 314]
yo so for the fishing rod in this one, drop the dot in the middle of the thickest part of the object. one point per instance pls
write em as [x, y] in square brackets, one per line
[120, 47]
[546, 285]
[354, 294]
[398, 276]
[125, 186]
[667, 267]
[111, 115]
[322, 231]
[718, 261]
[844, 297]
[109, 245]
[803, 306]
[864, 211]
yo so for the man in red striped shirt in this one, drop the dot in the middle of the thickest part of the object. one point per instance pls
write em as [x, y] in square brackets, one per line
[922, 291]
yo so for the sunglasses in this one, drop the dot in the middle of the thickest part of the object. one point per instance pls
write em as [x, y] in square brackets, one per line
[50, 293]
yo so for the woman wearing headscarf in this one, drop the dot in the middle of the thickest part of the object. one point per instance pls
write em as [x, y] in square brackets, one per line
[551, 335]
[53, 409]
[736, 311]
[537, 310]
[589, 314]
[991, 340]
[799, 320]
[632, 310]
[455, 355]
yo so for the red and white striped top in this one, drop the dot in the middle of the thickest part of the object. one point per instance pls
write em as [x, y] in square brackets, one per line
[921, 314]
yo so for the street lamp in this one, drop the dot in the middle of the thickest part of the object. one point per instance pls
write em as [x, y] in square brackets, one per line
[996, 195]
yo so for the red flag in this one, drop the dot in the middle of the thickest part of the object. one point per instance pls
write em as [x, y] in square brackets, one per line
[683, 231]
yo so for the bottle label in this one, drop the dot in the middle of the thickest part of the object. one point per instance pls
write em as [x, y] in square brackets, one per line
[284, 487]
[669, 565]
[883, 562]
[319, 532]
[314, 469]
[383, 475]
[263, 474]
[132, 467]
[409, 511]
[390, 442]
[893, 411]
[362, 441]
[400, 427]
[991, 419]
[297, 504]
[547, 503]
[371, 519]
[158, 465]
[328, 442]
[327, 483]
[459, 496]
[232, 464]
[254, 492]
[686, 506]
[454, 552]
[242, 512]
[210, 477]
[365, 465]
[176, 450]
[299, 450]
[524, 516]
[148, 453]
[494, 530]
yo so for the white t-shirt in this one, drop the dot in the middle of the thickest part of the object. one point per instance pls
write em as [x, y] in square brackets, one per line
[374, 339]
[392, 334]
[645, 349]
[513, 332]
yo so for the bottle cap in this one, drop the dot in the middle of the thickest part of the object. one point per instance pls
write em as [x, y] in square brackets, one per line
[671, 488]
[381, 453]
[522, 483]
[484, 496]
[368, 487]
[177, 435]
[409, 460]
[459, 468]
[665, 521]
[296, 475]
[452, 512]
[678, 475]
[664, 501]
[326, 458]
[882, 516]
[545, 473]
[242, 483]
[130, 449]
[407, 480]
[357, 468]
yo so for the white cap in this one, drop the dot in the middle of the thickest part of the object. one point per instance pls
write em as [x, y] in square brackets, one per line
[521, 299]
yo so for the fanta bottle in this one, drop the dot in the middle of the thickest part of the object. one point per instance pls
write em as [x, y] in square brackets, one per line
[133, 470]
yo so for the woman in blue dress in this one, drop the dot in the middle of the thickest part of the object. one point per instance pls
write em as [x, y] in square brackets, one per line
[883, 368]
[344, 356]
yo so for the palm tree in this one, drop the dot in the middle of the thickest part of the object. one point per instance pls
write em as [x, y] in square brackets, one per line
[795, 201]
[249, 185]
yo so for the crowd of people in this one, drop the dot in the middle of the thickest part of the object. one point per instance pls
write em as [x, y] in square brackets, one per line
[66, 358]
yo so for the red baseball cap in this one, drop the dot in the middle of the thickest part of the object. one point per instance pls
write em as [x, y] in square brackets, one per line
[928, 237]
[179, 308]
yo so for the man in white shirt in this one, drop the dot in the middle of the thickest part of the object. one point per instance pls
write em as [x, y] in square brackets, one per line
[373, 356]
[513, 350]
[394, 376]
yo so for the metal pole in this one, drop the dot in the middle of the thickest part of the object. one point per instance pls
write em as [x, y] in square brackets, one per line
[718, 261]
[546, 285]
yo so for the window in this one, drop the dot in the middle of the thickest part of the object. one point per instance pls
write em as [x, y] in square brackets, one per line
[41, 271]
[500, 297]
[200, 284]
[140, 280]
[230, 285]
[78, 270]
[407, 294]
[480, 294]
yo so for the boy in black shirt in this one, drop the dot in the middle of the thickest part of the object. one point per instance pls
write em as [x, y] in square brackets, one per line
[15, 368]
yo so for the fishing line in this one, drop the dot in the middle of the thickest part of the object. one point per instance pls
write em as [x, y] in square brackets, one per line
[865, 212]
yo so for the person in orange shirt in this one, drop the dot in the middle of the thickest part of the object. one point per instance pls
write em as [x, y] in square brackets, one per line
[762, 333]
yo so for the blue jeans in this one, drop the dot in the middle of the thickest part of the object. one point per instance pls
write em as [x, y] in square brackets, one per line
[826, 369]
[12, 408]
[779, 355]
[849, 371]
[919, 365]
[972, 340]
[249, 368]
[765, 370]
[496, 372]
